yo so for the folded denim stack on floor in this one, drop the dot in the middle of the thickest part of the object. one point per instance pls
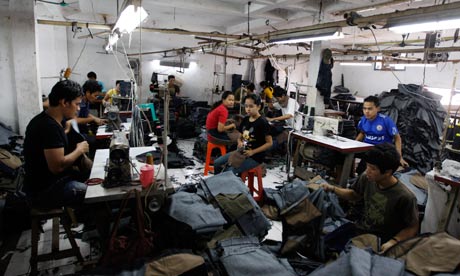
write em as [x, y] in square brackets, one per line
[245, 256]
[360, 262]
[420, 121]
[225, 189]
[192, 210]
[306, 217]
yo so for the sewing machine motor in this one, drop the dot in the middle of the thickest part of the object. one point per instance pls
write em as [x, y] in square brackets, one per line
[118, 168]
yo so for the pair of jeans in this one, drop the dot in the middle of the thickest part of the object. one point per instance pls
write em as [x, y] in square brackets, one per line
[190, 209]
[253, 222]
[245, 256]
[247, 164]
[361, 262]
[289, 195]
[62, 193]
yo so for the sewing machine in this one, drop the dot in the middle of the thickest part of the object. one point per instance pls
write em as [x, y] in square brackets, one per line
[113, 117]
[118, 167]
[325, 126]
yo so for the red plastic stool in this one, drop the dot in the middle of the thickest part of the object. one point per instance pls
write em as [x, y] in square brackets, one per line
[210, 147]
[259, 193]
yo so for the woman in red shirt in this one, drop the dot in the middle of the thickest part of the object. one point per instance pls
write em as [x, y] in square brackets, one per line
[215, 122]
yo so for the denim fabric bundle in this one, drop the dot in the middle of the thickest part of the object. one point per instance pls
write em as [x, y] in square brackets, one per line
[420, 121]
[192, 210]
[405, 178]
[359, 262]
[245, 256]
[308, 237]
[288, 196]
[253, 222]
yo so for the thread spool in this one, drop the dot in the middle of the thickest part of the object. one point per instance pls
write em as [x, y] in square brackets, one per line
[67, 72]
[149, 159]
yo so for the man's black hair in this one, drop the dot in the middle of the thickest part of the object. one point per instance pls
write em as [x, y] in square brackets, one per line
[251, 86]
[279, 92]
[91, 86]
[118, 81]
[171, 77]
[384, 156]
[373, 99]
[91, 75]
[66, 89]
[253, 97]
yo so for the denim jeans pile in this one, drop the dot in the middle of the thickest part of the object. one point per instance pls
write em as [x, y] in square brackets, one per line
[420, 121]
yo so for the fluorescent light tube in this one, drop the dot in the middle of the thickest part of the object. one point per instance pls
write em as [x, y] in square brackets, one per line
[130, 19]
[355, 64]
[426, 27]
[413, 64]
[336, 35]
[310, 35]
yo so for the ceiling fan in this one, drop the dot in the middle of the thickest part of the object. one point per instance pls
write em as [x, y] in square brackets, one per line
[63, 3]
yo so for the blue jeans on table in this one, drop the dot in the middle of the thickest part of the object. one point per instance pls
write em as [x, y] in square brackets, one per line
[247, 164]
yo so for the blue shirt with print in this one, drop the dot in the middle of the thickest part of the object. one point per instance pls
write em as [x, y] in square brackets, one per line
[380, 130]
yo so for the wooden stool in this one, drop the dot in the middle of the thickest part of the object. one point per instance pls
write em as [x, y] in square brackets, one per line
[259, 193]
[209, 148]
[37, 215]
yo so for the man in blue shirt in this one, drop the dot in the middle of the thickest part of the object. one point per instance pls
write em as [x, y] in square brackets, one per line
[375, 128]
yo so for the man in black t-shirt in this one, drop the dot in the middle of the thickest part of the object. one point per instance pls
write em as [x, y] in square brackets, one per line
[49, 181]
[390, 209]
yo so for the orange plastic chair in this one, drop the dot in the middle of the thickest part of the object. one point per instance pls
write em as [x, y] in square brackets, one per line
[208, 167]
[249, 174]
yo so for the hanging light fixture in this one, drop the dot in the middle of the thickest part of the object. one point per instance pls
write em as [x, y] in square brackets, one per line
[305, 36]
[130, 18]
[426, 22]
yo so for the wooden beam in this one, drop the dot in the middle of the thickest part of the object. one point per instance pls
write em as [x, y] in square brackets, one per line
[155, 30]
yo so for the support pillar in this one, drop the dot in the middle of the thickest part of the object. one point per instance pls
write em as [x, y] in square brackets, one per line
[313, 96]
[25, 61]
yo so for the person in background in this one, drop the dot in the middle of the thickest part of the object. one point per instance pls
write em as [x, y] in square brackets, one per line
[217, 118]
[390, 209]
[287, 107]
[90, 90]
[243, 91]
[92, 76]
[375, 128]
[49, 180]
[253, 142]
[112, 92]
[267, 91]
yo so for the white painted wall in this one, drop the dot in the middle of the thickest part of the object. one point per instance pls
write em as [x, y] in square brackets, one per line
[8, 110]
[52, 42]
[365, 81]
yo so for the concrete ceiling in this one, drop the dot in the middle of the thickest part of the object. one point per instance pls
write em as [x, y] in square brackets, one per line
[231, 17]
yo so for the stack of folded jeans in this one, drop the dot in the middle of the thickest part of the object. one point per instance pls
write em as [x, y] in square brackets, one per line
[245, 256]
[232, 196]
[192, 210]
[420, 121]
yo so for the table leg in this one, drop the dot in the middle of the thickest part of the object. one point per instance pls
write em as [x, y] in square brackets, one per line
[347, 165]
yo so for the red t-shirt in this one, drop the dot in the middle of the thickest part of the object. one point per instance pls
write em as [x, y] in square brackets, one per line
[218, 115]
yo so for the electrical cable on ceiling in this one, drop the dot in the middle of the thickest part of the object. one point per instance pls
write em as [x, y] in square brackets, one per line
[383, 58]
[81, 52]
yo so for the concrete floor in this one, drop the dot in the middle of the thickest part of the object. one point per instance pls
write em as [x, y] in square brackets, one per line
[19, 262]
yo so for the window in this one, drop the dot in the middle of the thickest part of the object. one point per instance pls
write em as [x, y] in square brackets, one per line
[445, 95]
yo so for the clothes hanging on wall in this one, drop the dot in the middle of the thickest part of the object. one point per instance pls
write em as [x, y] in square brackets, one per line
[269, 72]
[324, 81]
